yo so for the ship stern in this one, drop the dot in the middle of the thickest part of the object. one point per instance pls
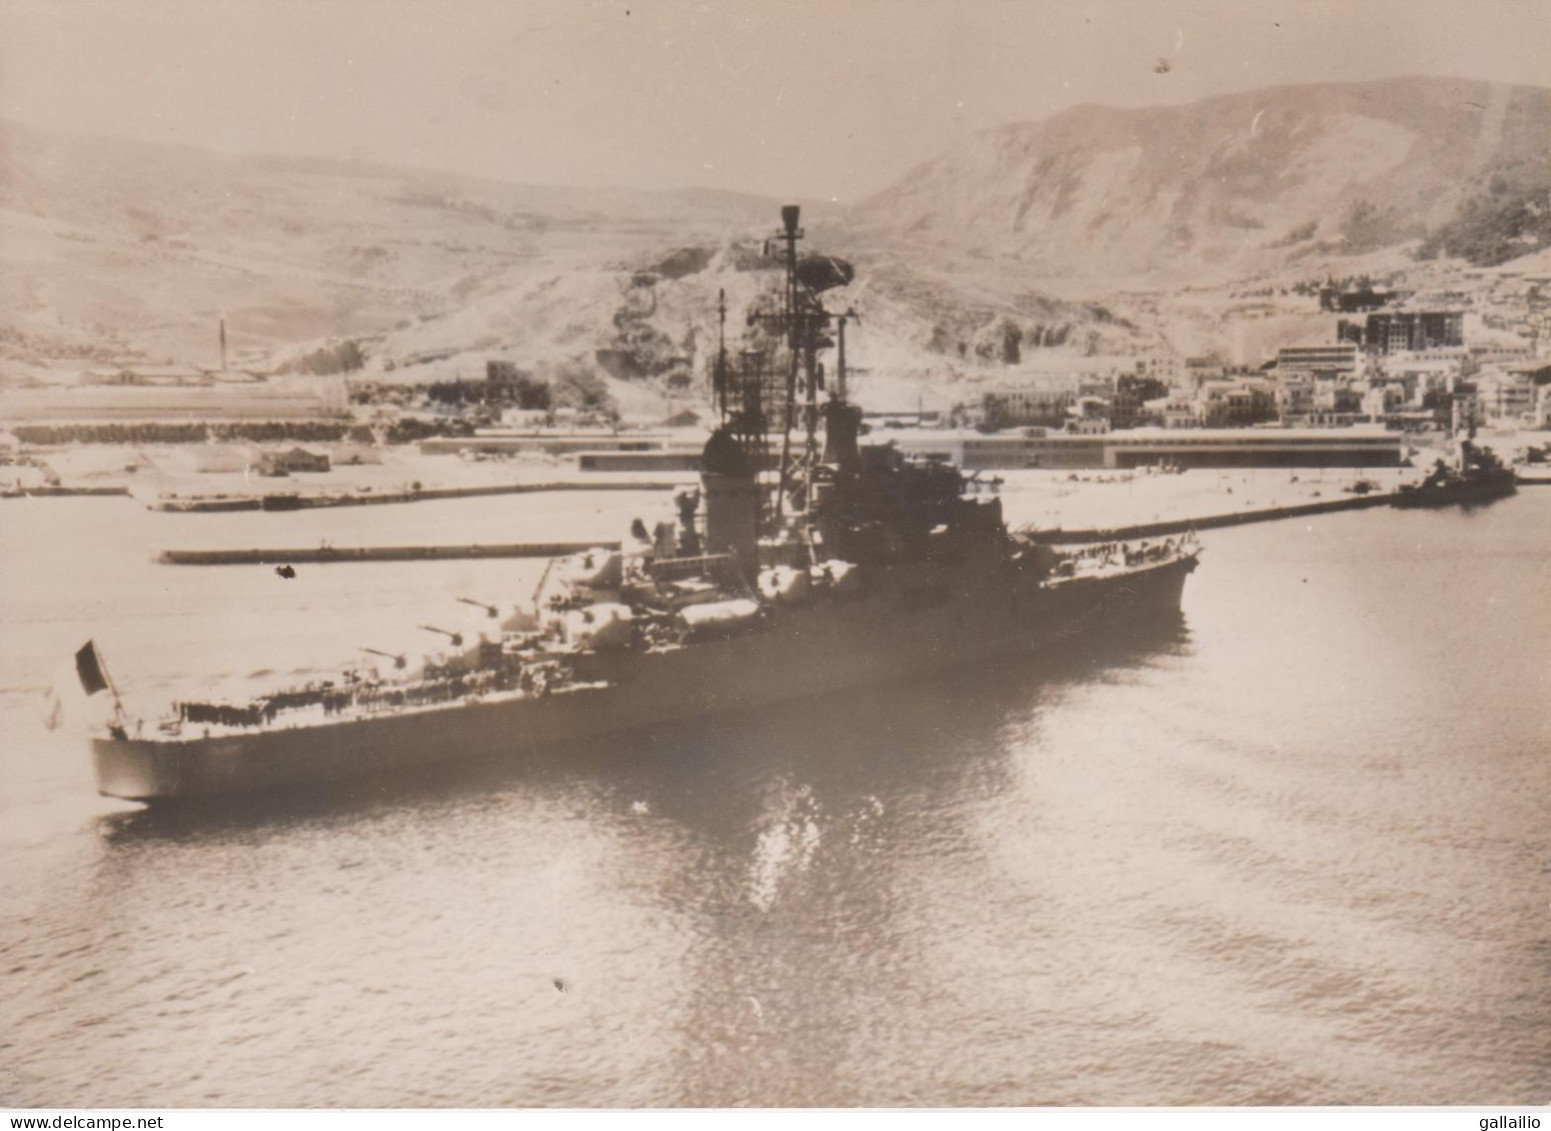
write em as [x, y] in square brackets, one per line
[136, 771]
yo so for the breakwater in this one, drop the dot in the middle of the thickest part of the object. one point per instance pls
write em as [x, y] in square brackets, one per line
[292, 501]
[326, 554]
[323, 555]
[61, 492]
[186, 432]
[1212, 521]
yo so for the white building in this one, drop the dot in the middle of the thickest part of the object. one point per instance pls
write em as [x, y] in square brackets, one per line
[1319, 359]
[1505, 395]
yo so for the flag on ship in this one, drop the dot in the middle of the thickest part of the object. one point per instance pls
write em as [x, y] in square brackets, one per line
[90, 672]
[88, 665]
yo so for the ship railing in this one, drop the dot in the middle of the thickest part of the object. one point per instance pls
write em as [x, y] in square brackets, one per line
[674, 569]
[1103, 557]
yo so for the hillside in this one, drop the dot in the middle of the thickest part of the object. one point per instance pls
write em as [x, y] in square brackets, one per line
[118, 252]
[1094, 231]
[1228, 187]
[115, 248]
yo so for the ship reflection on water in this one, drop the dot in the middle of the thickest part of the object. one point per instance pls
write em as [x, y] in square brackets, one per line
[713, 913]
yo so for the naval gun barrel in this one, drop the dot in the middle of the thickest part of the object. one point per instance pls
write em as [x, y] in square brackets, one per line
[400, 661]
[455, 637]
[490, 610]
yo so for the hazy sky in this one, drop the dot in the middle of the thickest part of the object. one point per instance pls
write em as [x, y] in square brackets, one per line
[774, 96]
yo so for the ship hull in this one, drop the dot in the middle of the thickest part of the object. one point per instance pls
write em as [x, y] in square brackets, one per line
[934, 618]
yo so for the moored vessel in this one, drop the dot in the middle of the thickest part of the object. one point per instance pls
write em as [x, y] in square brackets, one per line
[1479, 478]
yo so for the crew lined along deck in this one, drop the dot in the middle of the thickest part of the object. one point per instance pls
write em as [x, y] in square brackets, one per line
[360, 698]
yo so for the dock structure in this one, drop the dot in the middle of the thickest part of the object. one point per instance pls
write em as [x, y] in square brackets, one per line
[1167, 527]
[508, 441]
[1121, 450]
[324, 555]
[638, 461]
[1152, 447]
[294, 501]
[58, 492]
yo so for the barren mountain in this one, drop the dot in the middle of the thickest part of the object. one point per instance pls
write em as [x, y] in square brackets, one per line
[116, 252]
[1231, 186]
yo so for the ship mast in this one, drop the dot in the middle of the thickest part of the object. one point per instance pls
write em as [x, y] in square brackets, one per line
[719, 371]
[801, 318]
[800, 323]
[791, 233]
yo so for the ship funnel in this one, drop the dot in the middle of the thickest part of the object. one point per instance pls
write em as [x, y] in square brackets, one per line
[789, 214]
[731, 501]
[842, 426]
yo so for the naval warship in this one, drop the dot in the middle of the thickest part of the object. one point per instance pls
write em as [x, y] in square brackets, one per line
[804, 563]
[1479, 478]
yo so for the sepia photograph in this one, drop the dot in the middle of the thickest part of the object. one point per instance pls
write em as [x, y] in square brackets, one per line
[868, 554]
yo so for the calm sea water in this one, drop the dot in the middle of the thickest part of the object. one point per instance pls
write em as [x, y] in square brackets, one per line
[1293, 850]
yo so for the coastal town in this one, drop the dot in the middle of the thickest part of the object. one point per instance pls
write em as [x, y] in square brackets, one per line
[1381, 380]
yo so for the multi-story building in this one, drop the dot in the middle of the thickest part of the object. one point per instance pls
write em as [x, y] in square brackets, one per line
[1178, 410]
[1294, 397]
[1045, 407]
[1236, 404]
[1127, 406]
[1318, 360]
[1391, 331]
[1382, 400]
[1424, 372]
[1505, 394]
[1333, 400]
